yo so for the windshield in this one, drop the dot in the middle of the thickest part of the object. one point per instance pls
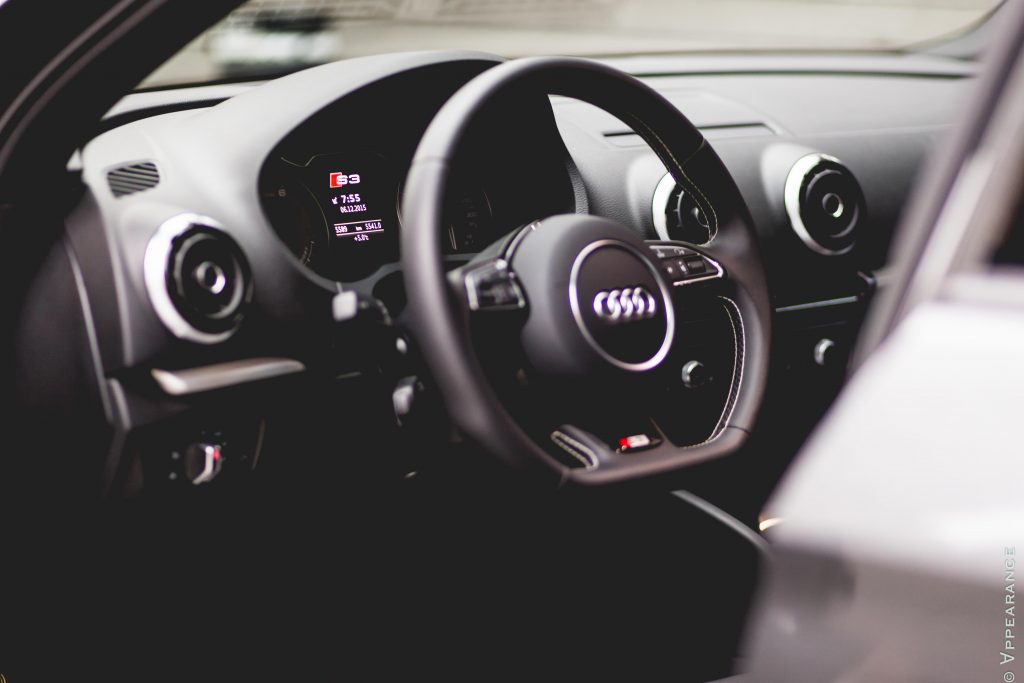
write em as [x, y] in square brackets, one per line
[271, 37]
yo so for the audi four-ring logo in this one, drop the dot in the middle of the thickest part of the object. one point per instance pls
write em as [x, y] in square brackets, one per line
[625, 305]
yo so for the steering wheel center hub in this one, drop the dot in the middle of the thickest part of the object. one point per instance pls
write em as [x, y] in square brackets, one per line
[620, 305]
[596, 298]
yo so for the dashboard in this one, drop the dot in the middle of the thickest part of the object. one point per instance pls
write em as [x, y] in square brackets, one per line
[310, 191]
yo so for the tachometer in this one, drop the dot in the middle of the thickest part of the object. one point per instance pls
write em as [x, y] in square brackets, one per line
[293, 212]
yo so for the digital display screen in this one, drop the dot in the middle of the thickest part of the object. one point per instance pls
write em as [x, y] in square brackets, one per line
[357, 193]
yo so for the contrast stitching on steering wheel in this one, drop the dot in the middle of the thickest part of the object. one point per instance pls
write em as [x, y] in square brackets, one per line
[732, 311]
[708, 208]
[578, 450]
[699, 195]
[739, 347]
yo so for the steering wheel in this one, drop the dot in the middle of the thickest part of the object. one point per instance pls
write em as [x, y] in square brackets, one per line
[593, 303]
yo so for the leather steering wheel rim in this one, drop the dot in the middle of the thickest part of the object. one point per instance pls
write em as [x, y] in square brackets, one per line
[440, 325]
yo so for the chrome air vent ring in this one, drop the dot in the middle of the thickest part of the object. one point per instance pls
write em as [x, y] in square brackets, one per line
[824, 203]
[677, 216]
[197, 279]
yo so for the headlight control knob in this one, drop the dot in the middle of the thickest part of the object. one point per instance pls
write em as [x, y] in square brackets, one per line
[203, 462]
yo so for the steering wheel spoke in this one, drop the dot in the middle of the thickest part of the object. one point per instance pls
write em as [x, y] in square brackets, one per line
[593, 459]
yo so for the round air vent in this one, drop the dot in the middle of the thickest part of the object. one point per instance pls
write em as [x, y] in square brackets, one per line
[825, 204]
[677, 216]
[197, 279]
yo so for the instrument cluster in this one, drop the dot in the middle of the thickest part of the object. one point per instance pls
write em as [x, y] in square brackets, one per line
[339, 213]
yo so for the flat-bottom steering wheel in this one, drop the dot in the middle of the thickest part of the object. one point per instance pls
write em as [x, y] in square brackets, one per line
[590, 304]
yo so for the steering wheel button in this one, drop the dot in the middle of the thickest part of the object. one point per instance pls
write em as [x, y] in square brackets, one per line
[636, 442]
[497, 294]
[695, 265]
[671, 270]
[492, 285]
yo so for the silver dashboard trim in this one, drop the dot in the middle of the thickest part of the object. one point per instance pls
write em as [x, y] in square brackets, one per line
[222, 375]
[840, 301]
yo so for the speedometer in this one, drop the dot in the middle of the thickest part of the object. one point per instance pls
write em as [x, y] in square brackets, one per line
[469, 219]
